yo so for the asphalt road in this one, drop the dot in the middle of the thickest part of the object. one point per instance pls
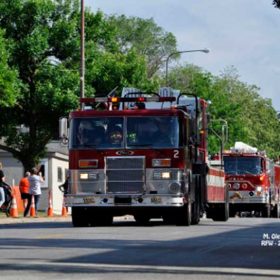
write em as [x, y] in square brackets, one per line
[50, 248]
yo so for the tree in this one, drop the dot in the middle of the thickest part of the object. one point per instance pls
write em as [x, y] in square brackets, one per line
[109, 70]
[44, 45]
[257, 119]
[276, 3]
[250, 118]
[147, 38]
[47, 91]
[107, 64]
[8, 77]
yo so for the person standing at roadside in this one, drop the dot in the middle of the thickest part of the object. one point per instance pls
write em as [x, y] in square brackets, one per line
[24, 188]
[2, 192]
[1, 172]
[35, 182]
[5, 192]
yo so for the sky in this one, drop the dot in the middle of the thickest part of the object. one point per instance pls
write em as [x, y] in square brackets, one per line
[240, 33]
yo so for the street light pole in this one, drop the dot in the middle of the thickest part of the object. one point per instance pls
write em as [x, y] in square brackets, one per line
[82, 50]
[179, 52]
[224, 137]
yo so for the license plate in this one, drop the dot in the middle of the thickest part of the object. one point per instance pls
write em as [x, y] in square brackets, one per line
[89, 200]
[122, 200]
[156, 199]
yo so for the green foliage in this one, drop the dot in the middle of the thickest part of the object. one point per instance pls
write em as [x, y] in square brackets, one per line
[250, 118]
[109, 70]
[147, 38]
[8, 77]
[276, 3]
[109, 63]
[39, 75]
[39, 31]
[44, 47]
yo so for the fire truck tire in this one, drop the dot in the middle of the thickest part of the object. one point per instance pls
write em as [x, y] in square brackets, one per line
[276, 211]
[184, 217]
[226, 213]
[266, 211]
[101, 220]
[221, 212]
[195, 213]
[79, 217]
[232, 213]
[168, 219]
[141, 219]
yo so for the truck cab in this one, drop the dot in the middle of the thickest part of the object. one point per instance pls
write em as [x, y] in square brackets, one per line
[148, 162]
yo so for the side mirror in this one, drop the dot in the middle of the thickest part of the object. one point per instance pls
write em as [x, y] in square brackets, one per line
[268, 171]
[63, 130]
[208, 116]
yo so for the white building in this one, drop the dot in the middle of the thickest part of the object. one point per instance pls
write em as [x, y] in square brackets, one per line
[54, 169]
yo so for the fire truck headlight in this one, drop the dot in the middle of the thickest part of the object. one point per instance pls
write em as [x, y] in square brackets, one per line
[88, 176]
[174, 187]
[84, 176]
[259, 189]
[158, 175]
[166, 175]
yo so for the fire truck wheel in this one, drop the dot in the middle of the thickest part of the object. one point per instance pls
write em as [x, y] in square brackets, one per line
[195, 213]
[141, 219]
[168, 219]
[232, 213]
[221, 212]
[266, 211]
[196, 209]
[101, 220]
[226, 211]
[276, 211]
[184, 217]
[79, 217]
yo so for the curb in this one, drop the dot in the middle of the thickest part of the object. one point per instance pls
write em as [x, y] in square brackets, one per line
[22, 220]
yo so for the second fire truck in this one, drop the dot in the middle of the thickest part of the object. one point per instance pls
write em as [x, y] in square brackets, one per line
[148, 160]
[253, 181]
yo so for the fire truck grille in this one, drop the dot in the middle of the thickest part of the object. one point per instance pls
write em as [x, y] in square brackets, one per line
[125, 174]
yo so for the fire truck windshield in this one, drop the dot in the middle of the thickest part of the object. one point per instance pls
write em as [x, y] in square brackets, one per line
[242, 165]
[124, 132]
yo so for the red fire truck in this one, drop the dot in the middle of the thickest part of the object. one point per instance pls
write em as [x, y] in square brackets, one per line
[149, 162]
[253, 181]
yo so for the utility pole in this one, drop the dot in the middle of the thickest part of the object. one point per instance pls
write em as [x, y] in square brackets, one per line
[82, 54]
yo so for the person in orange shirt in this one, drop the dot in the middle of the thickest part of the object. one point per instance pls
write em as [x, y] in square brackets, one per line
[24, 188]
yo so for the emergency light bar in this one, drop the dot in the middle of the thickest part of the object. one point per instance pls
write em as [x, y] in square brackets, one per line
[241, 147]
[126, 99]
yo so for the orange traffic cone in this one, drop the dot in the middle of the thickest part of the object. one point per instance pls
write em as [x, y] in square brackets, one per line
[14, 209]
[50, 206]
[64, 210]
[32, 208]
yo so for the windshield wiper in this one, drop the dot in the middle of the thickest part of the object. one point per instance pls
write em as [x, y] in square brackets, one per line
[88, 146]
[139, 145]
[251, 173]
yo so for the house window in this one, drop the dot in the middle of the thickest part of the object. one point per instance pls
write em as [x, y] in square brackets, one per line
[59, 174]
[42, 170]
